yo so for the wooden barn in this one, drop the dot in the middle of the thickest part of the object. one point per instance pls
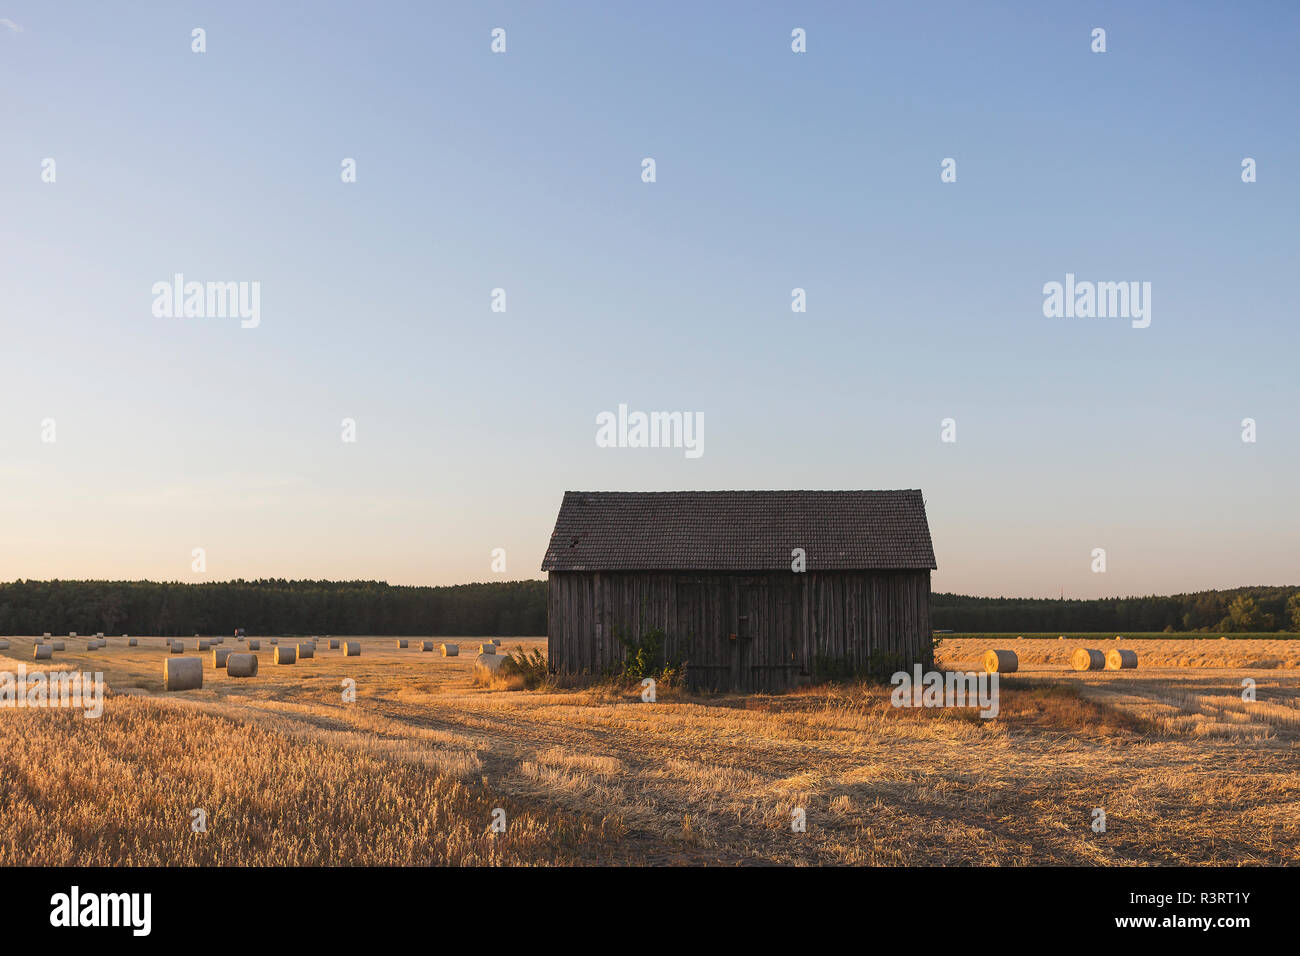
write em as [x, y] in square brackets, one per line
[720, 573]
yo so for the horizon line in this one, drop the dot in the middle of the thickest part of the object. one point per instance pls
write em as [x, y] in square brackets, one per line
[933, 594]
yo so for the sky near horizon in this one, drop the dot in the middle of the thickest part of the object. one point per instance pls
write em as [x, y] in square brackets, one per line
[523, 171]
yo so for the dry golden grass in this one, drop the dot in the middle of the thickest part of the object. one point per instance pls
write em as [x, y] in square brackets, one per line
[120, 791]
[409, 773]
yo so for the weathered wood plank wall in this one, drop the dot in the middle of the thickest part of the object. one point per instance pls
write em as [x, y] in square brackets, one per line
[782, 622]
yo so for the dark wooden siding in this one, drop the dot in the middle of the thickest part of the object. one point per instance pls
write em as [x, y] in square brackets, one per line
[783, 621]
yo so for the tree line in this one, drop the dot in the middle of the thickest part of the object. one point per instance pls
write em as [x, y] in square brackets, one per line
[1236, 610]
[273, 606]
[518, 609]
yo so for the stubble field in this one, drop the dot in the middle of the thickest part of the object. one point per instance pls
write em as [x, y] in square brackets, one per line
[415, 770]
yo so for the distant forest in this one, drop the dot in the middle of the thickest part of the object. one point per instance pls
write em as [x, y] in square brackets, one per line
[1236, 610]
[518, 608]
[506, 609]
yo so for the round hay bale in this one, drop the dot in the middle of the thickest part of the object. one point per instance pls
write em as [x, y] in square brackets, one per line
[1001, 662]
[131, 642]
[487, 648]
[306, 651]
[485, 665]
[220, 655]
[426, 645]
[403, 644]
[241, 665]
[57, 645]
[351, 648]
[286, 655]
[1121, 659]
[72, 633]
[178, 647]
[450, 650]
[4, 645]
[92, 645]
[275, 641]
[334, 644]
[205, 645]
[254, 645]
[42, 652]
[46, 634]
[1087, 659]
[184, 673]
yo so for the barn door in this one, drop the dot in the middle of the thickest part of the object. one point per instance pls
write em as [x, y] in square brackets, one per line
[749, 625]
[697, 643]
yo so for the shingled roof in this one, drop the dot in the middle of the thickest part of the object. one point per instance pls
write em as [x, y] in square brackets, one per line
[739, 531]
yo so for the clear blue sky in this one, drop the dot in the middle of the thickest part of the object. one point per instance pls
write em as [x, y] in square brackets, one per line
[775, 170]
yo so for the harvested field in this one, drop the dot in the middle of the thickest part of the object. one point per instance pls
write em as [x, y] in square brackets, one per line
[289, 772]
[963, 650]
